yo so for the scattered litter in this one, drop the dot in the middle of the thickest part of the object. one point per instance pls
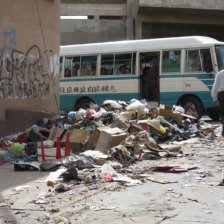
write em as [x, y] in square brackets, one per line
[93, 146]
[100, 208]
[3, 204]
[160, 180]
[21, 188]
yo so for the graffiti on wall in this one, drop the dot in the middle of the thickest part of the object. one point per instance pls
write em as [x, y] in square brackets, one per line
[28, 74]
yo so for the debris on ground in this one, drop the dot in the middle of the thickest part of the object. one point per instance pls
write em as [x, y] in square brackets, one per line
[99, 146]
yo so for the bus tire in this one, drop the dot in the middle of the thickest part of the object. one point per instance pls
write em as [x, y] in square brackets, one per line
[83, 103]
[214, 114]
[194, 104]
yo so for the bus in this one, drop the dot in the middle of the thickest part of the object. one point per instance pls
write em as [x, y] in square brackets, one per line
[170, 71]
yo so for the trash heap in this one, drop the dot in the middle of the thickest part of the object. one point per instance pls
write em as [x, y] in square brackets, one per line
[102, 140]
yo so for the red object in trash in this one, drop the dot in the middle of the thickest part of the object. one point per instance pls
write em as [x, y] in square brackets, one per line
[58, 150]
[176, 170]
[145, 127]
[108, 177]
[67, 146]
[21, 140]
[42, 148]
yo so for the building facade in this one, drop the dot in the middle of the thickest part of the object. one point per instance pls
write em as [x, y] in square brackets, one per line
[140, 19]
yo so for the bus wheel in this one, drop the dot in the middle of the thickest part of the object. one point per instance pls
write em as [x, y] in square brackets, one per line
[83, 103]
[191, 103]
[214, 114]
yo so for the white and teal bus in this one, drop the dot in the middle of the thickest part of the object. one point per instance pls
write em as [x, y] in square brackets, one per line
[171, 71]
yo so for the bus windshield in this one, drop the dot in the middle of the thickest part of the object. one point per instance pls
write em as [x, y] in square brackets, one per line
[220, 56]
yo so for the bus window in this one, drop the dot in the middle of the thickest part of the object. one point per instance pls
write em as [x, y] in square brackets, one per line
[193, 61]
[220, 56]
[118, 64]
[171, 61]
[206, 60]
[88, 65]
[123, 64]
[76, 66]
[68, 67]
[198, 61]
[107, 62]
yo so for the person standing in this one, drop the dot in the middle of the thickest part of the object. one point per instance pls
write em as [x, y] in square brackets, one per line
[218, 95]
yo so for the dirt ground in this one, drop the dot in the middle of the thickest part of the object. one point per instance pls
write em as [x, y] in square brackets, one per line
[192, 197]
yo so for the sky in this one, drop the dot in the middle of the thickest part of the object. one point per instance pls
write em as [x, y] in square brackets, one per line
[73, 17]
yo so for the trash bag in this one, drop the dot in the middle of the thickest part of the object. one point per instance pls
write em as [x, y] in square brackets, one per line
[16, 148]
[26, 166]
[31, 148]
[61, 188]
[71, 173]
[51, 165]
[35, 132]
[77, 161]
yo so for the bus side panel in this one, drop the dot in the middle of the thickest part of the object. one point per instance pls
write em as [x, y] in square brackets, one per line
[173, 87]
[98, 89]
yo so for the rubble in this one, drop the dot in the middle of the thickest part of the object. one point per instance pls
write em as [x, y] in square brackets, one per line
[104, 142]
[121, 131]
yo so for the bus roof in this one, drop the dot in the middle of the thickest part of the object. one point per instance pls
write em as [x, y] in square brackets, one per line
[139, 45]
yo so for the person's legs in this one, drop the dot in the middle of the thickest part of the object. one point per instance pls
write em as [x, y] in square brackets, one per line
[221, 108]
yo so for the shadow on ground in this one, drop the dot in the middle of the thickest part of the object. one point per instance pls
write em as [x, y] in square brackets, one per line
[9, 179]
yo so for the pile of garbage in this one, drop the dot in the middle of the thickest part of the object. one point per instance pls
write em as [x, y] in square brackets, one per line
[102, 140]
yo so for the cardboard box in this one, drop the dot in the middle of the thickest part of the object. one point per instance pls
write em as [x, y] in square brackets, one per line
[168, 113]
[77, 138]
[55, 132]
[110, 138]
[153, 123]
[91, 144]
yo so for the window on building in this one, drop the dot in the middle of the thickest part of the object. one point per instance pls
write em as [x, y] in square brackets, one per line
[171, 61]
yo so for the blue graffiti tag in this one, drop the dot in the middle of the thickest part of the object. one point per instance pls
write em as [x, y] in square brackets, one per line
[9, 40]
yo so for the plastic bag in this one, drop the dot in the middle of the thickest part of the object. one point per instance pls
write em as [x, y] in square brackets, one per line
[135, 105]
[113, 104]
[179, 109]
[77, 161]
